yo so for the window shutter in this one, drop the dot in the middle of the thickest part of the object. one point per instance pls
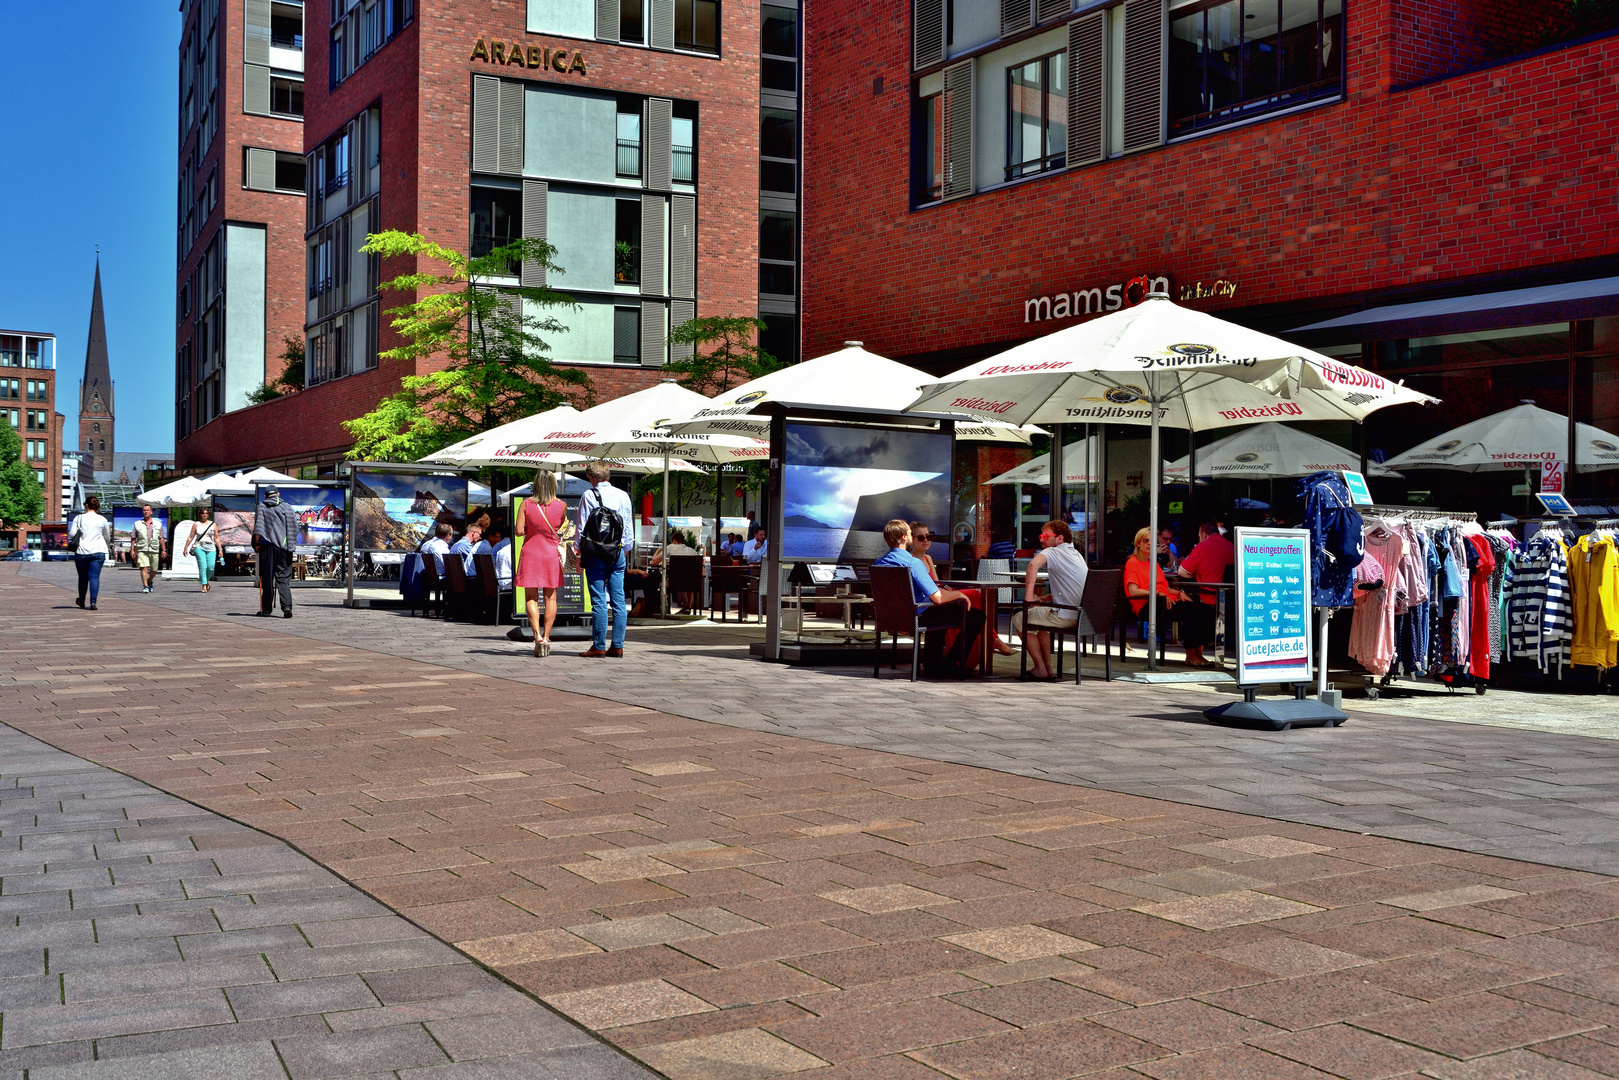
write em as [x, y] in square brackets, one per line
[1016, 16]
[652, 332]
[958, 131]
[681, 312]
[652, 245]
[655, 139]
[258, 170]
[1087, 81]
[534, 196]
[663, 24]
[683, 247]
[927, 33]
[256, 89]
[1052, 9]
[256, 31]
[511, 127]
[1145, 33]
[626, 333]
[606, 20]
[485, 124]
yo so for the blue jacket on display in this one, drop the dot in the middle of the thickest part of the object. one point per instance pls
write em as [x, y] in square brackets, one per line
[1336, 545]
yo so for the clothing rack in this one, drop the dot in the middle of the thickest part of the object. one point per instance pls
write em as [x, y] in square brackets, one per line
[1418, 513]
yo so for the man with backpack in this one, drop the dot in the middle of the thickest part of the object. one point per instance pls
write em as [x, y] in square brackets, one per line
[604, 543]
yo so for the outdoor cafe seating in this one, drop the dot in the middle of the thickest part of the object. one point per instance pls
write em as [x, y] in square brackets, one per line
[895, 613]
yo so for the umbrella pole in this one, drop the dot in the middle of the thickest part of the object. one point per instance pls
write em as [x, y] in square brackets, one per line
[663, 577]
[1153, 454]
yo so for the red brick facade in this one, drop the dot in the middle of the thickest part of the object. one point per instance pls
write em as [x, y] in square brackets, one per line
[1494, 172]
[421, 81]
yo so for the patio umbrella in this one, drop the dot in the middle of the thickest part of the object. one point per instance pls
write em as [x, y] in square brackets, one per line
[1037, 470]
[1158, 363]
[1272, 449]
[494, 447]
[1518, 438]
[186, 491]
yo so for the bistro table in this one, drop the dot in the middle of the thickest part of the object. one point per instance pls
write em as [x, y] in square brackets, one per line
[990, 591]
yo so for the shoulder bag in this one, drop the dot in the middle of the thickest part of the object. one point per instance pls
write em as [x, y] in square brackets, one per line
[565, 554]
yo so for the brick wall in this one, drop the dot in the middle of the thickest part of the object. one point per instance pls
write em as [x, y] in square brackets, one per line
[1490, 172]
[1436, 37]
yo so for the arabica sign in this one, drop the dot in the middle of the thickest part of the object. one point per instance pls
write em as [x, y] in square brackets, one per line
[561, 61]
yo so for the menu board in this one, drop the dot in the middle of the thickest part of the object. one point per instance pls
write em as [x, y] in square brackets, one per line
[573, 598]
[1273, 605]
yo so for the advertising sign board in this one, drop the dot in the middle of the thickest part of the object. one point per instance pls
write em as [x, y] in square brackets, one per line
[1359, 493]
[1273, 605]
[1556, 505]
[1551, 477]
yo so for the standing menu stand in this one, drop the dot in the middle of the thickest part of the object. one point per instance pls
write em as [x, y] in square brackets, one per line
[1273, 628]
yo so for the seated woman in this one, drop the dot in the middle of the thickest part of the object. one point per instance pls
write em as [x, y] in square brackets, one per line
[1136, 570]
[921, 542]
[651, 583]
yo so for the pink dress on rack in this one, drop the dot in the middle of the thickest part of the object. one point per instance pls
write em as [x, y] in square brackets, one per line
[539, 566]
[1371, 636]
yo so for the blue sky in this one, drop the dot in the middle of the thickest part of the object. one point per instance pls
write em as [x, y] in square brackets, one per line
[89, 131]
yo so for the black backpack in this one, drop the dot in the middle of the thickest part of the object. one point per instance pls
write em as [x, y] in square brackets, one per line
[602, 538]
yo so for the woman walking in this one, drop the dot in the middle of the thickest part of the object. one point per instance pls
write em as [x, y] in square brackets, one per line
[94, 535]
[544, 527]
[203, 544]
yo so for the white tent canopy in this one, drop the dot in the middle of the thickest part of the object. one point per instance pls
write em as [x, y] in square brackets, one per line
[495, 446]
[628, 427]
[1267, 450]
[1078, 467]
[186, 491]
[1517, 438]
[191, 491]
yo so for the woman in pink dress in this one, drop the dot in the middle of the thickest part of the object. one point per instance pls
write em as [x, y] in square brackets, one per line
[539, 566]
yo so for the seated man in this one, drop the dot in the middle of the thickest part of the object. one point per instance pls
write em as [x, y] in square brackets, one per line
[1066, 571]
[469, 545]
[501, 549]
[755, 550]
[1207, 562]
[931, 600]
[438, 545]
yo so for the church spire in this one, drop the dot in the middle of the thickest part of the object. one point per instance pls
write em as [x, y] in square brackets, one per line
[97, 384]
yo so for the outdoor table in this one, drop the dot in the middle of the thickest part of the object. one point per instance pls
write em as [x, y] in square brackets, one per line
[849, 603]
[989, 590]
[1222, 591]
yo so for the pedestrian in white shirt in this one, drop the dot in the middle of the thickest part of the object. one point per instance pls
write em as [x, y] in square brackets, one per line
[755, 550]
[94, 535]
[605, 517]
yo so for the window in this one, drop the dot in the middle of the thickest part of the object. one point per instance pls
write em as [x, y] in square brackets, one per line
[11, 388]
[1238, 58]
[779, 338]
[778, 146]
[629, 138]
[36, 449]
[103, 445]
[39, 475]
[683, 145]
[38, 420]
[631, 22]
[360, 28]
[38, 390]
[627, 335]
[1036, 116]
[287, 26]
[627, 242]
[778, 242]
[497, 218]
[697, 25]
[779, 66]
[289, 171]
[96, 428]
[928, 156]
[13, 415]
[286, 96]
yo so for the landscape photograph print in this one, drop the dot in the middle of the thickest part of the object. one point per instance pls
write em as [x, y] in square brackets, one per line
[396, 512]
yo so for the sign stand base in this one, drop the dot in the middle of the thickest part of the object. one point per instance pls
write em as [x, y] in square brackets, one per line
[1277, 715]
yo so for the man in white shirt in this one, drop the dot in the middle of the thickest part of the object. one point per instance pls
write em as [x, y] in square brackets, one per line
[438, 546]
[470, 545]
[605, 578]
[755, 550]
[502, 551]
[1066, 571]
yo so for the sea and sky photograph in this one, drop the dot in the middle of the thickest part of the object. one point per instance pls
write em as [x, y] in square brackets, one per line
[843, 484]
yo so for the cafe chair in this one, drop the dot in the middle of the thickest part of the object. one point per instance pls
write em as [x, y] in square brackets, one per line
[430, 587]
[894, 613]
[685, 574]
[1096, 620]
[994, 568]
[486, 588]
[456, 602]
[727, 580]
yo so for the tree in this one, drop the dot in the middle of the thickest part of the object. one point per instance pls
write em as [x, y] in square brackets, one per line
[496, 369]
[732, 356]
[21, 499]
[291, 379]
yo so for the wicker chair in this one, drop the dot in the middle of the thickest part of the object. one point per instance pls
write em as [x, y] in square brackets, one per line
[894, 613]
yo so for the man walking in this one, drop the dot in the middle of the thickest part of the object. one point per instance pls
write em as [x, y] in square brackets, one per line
[275, 531]
[604, 542]
[147, 546]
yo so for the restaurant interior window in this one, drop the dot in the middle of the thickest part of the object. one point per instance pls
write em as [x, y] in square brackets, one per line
[629, 137]
[683, 142]
[1036, 116]
[697, 25]
[497, 218]
[627, 241]
[779, 64]
[1233, 59]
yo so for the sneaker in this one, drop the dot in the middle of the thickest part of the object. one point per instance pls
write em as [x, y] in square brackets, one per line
[147, 589]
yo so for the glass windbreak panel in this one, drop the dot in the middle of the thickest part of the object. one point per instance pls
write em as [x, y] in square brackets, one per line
[780, 31]
[683, 147]
[1481, 347]
[1240, 58]
[497, 218]
[629, 144]
[627, 241]
[1037, 113]
[778, 235]
[630, 22]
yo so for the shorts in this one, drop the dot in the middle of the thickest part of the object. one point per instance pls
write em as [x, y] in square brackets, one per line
[1044, 618]
[149, 560]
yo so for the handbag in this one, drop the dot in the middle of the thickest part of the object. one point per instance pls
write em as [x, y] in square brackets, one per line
[565, 553]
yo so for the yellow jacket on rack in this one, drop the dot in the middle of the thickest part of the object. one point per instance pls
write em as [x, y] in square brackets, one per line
[1593, 577]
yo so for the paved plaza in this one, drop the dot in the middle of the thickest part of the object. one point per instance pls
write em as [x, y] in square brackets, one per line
[816, 876]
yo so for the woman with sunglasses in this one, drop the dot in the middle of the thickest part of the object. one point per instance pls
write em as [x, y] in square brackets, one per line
[921, 542]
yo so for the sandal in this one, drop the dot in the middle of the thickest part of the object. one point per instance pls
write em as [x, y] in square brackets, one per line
[542, 648]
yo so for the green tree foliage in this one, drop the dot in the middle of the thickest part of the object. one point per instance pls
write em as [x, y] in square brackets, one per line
[496, 370]
[21, 500]
[724, 354]
[291, 379]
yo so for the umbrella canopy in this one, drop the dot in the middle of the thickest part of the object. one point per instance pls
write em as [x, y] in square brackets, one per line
[1158, 363]
[1519, 438]
[494, 447]
[851, 378]
[1267, 450]
[1037, 470]
[186, 491]
[263, 475]
[628, 427]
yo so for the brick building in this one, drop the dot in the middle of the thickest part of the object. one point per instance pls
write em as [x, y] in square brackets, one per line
[28, 404]
[239, 251]
[1425, 188]
[653, 142]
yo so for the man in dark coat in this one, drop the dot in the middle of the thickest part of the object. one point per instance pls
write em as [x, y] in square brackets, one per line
[275, 533]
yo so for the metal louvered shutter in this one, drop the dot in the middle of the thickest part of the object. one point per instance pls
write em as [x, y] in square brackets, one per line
[1016, 16]
[927, 33]
[534, 196]
[683, 247]
[511, 127]
[652, 245]
[1145, 44]
[256, 31]
[958, 131]
[652, 333]
[258, 169]
[663, 24]
[681, 312]
[626, 334]
[256, 89]
[1087, 89]
[485, 124]
[1046, 10]
[659, 163]
[606, 20]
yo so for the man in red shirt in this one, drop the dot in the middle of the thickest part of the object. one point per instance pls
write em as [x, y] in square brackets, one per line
[1207, 562]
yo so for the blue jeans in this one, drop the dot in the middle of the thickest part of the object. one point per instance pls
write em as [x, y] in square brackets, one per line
[89, 567]
[606, 582]
[205, 563]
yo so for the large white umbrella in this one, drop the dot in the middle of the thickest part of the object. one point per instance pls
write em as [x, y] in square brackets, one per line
[1272, 449]
[1518, 438]
[494, 447]
[1158, 363]
[186, 491]
[1078, 459]
[851, 378]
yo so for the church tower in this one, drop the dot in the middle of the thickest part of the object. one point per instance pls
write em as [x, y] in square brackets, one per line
[95, 393]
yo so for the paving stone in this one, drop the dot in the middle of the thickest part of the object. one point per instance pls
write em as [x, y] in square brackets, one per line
[751, 1054]
[313, 1057]
[248, 1061]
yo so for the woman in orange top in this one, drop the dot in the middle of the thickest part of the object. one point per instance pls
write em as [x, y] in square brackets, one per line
[1136, 569]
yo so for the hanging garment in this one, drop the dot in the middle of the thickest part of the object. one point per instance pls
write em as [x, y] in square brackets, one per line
[1371, 635]
[1594, 585]
[1482, 605]
[1335, 538]
[1537, 610]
